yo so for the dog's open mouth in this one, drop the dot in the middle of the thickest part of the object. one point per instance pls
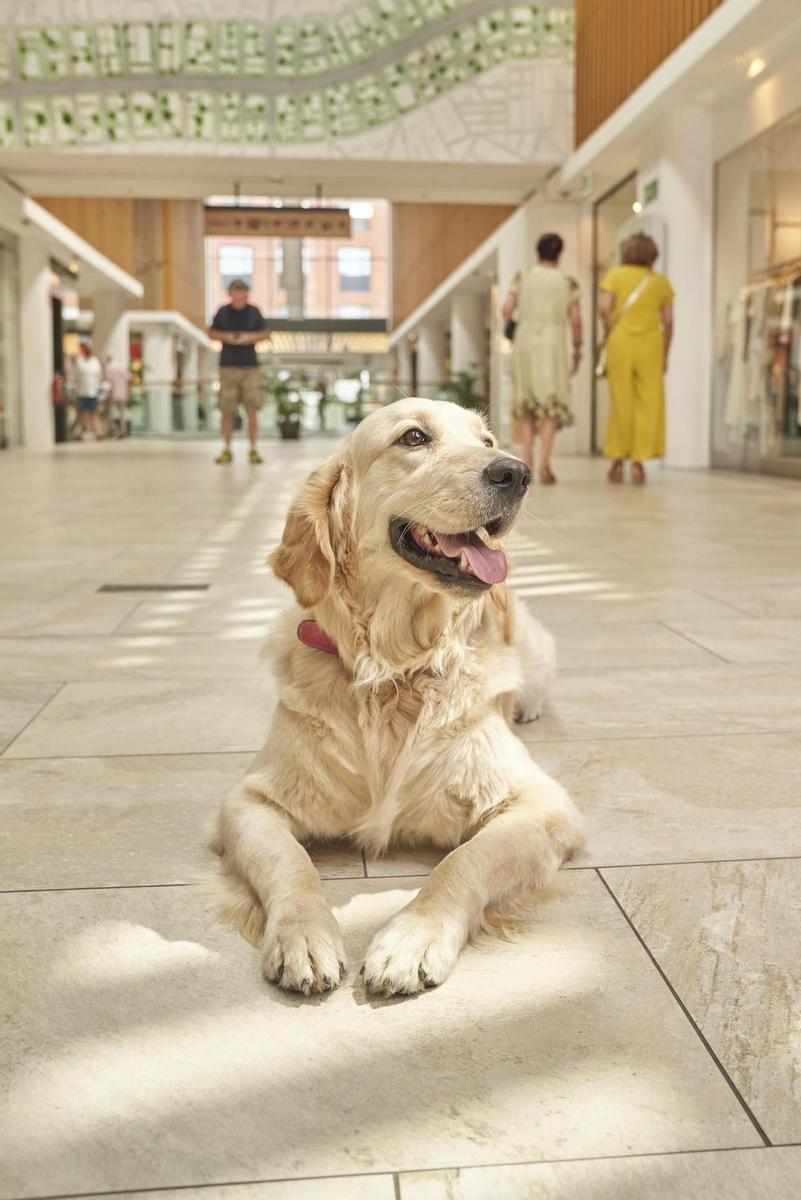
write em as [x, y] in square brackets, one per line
[461, 559]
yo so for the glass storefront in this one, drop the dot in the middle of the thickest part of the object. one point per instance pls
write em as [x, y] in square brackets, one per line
[756, 416]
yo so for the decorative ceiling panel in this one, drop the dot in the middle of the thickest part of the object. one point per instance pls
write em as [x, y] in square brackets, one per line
[281, 79]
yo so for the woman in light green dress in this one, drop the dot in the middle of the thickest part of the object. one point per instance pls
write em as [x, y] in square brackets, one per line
[545, 302]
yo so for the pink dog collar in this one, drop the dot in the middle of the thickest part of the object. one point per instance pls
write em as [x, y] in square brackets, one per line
[310, 633]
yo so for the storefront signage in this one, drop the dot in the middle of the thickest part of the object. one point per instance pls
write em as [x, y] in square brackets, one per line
[276, 222]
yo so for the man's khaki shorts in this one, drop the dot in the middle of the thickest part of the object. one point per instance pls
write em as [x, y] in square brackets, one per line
[240, 385]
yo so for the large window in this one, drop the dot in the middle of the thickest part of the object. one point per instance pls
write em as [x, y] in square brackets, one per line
[355, 265]
[757, 369]
[341, 277]
[236, 262]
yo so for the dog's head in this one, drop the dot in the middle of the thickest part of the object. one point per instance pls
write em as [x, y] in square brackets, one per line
[418, 496]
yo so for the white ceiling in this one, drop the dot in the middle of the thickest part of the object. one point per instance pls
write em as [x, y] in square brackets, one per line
[186, 175]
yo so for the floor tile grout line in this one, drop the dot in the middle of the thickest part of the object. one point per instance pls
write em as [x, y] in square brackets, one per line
[692, 642]
[127, 754]
[639, 737]
[743, 612]
[525, 1162]
[693, 1023]
[530, 745]
[597, 867]
[59, 688]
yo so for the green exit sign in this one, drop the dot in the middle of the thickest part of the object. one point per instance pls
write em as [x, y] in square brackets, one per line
[650, 191]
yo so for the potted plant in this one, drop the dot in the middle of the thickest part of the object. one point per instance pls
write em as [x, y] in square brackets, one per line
[461, 389]
[288, 410]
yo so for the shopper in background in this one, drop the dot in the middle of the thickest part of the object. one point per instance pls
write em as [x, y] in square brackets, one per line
[117, 378]
[636, 308]
[89, 376]
[239, 326]
[545, 302]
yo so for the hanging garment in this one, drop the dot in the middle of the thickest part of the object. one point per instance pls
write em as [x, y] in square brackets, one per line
[737, 337]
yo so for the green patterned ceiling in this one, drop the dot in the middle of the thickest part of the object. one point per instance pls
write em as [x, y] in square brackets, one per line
[229, 81]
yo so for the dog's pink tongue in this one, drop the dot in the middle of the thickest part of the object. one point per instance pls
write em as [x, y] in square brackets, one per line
[487, 564]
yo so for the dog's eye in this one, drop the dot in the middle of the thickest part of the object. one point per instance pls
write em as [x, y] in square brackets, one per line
[413, 437]
[489, 442]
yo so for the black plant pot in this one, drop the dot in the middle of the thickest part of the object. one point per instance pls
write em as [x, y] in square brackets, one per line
[289, 430]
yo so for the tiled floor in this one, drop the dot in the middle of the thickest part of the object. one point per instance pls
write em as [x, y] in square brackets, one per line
[643, 1039]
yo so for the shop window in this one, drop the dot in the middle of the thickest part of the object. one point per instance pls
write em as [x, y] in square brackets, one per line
[236, 262]
[361, 215]
[756, 417]
[354, 264]
[355, 311]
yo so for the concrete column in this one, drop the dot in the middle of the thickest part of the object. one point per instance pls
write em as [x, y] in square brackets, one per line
[292, 276]
[157, 355]
[36, 345]
[686, 205]
[467, 335]
[110, 334]
[430, 357]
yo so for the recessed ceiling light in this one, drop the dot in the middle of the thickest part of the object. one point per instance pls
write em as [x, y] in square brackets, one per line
[756, 67]
[636, 207]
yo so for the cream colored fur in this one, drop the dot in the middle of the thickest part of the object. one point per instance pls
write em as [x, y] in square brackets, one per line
[402, 737]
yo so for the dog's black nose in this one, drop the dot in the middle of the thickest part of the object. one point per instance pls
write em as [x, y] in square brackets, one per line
[508, 475]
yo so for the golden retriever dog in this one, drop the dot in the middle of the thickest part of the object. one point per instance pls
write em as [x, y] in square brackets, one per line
[398, 675]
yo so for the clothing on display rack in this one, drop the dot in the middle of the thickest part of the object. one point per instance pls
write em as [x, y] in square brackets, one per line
[763, 361]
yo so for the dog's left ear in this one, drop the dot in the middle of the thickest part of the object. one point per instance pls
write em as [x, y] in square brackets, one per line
[305, 558]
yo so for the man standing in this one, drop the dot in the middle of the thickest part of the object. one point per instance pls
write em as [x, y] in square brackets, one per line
[239, 326]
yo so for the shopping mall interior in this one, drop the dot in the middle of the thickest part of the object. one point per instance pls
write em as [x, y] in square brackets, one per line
[377, 173]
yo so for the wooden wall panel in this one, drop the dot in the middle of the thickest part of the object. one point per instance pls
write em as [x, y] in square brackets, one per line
[184, 259]
[159, 242]
[108, 225]
[429, 241]
[619, 43]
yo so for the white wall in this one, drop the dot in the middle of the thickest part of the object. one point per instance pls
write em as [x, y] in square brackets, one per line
[679, 157]
[36, 345]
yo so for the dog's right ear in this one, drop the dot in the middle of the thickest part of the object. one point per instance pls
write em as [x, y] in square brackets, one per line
[305, 558]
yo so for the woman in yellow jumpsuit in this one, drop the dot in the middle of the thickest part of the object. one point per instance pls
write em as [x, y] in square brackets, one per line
[636, 358]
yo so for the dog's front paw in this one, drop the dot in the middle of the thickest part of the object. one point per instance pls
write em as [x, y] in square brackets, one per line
[303, 950]
[412, 952]
[528, 706]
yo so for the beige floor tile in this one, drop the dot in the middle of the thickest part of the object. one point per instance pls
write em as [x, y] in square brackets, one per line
[585, 646]
[766, 1174]
[759, 601]
[150, 717]
[234, 652]
[650, 800]
[110, 821]
[621, 603]
[19, 704]
[342, 1187]
[338, 861]
[66, 616]
[613, 703]
[236, 609]
[418, 860]
[140, 1023]
[748, 639]
[727, 936]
